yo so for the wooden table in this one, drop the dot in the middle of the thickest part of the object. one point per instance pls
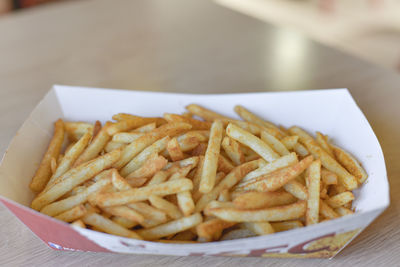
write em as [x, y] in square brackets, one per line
[182, 46]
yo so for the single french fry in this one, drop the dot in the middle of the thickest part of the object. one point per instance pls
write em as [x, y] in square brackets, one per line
[126, 137]
[53, 165]
[246, 115]
[313, 180]
[250, 140]
[95, 147]
[284, 226]
[296, 189]
[265, 169]
[128, 124]
[237, 234]
[204, 113]
[232, 149]
[224, 196]
[70, 156]
[224, 165]
[321, 140]
[196, 124]
[170, 209]
[143, 193]
[278, 178]
[192, 161]
[290, 141]
[75, 177]
[227, 183]
[350, 163]
[326, 211]
[124, 222]
[43, 173]
[96, 130]
[171, 227]
[258, 200]
[274, 143]
[65, 204]
[150, 167]
[113, 146]
[78, 223]
[259, 228]
[340, 199]
[280, 213]
[118, 181]
[190, 140]
[159, 177]
[212, 229]
[342, 211]
[144, 156]
[174, 150]
[345, 178]
[200, 150]
[301, 150]
[184, 236]
[75, 130]
[146, 128]
[246, 126]
[210, 164]
[108, 226]
[124, 116]
[137, 146]
[72, 214]
[328, 177]
[125, 212]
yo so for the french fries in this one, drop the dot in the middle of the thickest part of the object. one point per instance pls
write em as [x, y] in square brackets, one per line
[180, 179]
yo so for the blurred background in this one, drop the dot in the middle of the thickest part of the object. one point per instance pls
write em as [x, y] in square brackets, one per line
[369, 29]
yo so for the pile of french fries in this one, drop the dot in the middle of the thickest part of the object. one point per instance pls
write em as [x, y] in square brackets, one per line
[195, 177]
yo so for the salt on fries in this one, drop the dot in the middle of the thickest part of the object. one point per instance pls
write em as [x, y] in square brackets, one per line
[180, 179]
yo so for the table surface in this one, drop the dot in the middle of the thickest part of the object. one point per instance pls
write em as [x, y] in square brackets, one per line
[183, 46]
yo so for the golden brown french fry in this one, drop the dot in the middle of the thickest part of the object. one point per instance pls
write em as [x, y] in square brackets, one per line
[159, 177]
[199, 150]
[313, 180]
[153, 164]
[70, 156]
[96, 130]
[350, 163]
[171, 227]
[145, 128]
[43, 173]
[259, 228]
[113, 145]
[134, 148]
[190, 140]
[232, 149]
[143, 193]
[170, 209]
[118, 181]
[125, 212]
[284, 226]
[53, 165]
[174, 150]
[72, 214]
[280, 213]
[196, 124]
[343, 211]
[108, 226]
[345, 178]
[290, 141]
[224, 196]
[258, 200]
[204, 113]
[322, 142]
[227, 183]
[301, 150]
[127, 125]
[192, 161]
[296, 189]
[246, 115]
[75, 130]
[95, 147]
[237, 234]
[124, 116]
[184, 236]
[278, 178]
[264, 169]
[326, 211]
[210, 164]
[340, 199]
[328, 177]
[124, 222]
[274, 143]
[78, 223]
[212, 229]
[152, 215]
[74, 177]
[126, 137]
[250, 140]
[184, 199]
